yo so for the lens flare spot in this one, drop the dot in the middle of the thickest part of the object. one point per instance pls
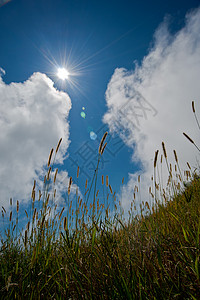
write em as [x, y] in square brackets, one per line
[93, 135]
[83, 115]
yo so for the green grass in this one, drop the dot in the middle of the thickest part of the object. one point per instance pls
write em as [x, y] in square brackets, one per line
[95, 253]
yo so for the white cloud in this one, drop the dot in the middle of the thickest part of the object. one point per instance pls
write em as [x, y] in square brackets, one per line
[33, 117]
[165, 84]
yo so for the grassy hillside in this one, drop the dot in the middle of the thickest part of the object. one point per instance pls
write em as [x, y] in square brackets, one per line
[94, 253]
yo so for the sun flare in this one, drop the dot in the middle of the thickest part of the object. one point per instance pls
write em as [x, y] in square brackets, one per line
[62, 73]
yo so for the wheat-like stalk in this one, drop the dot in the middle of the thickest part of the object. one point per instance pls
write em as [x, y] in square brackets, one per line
[175, 155]
[156, 157]
[110, 189]
[193, 109]
[58, 146]
[50, 156]
[54, 180]
[164, 150]
[138, 178]
[48, 175]
[102, 150]
[10, 216]
[102, 141]
[70, 183]
[191, 141]
[77, 172]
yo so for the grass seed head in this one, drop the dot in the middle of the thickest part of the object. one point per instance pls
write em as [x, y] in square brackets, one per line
[86, 182]
[48, 175]
[102, 150]
[164, 150]
[17, 206]
[175, 155]
[156, 157]
[77, 172]
[139, 178]
[188, 137]
[102, 141]
[55, 176]
[10, 216]
[50, 156]
[193, 109]
[58, 145]
[70, 183]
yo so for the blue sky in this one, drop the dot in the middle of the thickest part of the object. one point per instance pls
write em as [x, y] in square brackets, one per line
[116, 51]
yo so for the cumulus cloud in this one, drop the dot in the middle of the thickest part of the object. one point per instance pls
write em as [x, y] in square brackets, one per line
[33, 117]
[152, 103]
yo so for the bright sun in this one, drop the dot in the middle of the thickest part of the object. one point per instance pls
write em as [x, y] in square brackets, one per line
[63, 73]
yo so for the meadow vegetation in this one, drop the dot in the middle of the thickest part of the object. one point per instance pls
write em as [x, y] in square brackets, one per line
[92, 250]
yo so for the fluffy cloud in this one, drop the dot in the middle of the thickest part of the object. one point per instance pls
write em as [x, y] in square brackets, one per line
[152, 103]
[33, 117]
